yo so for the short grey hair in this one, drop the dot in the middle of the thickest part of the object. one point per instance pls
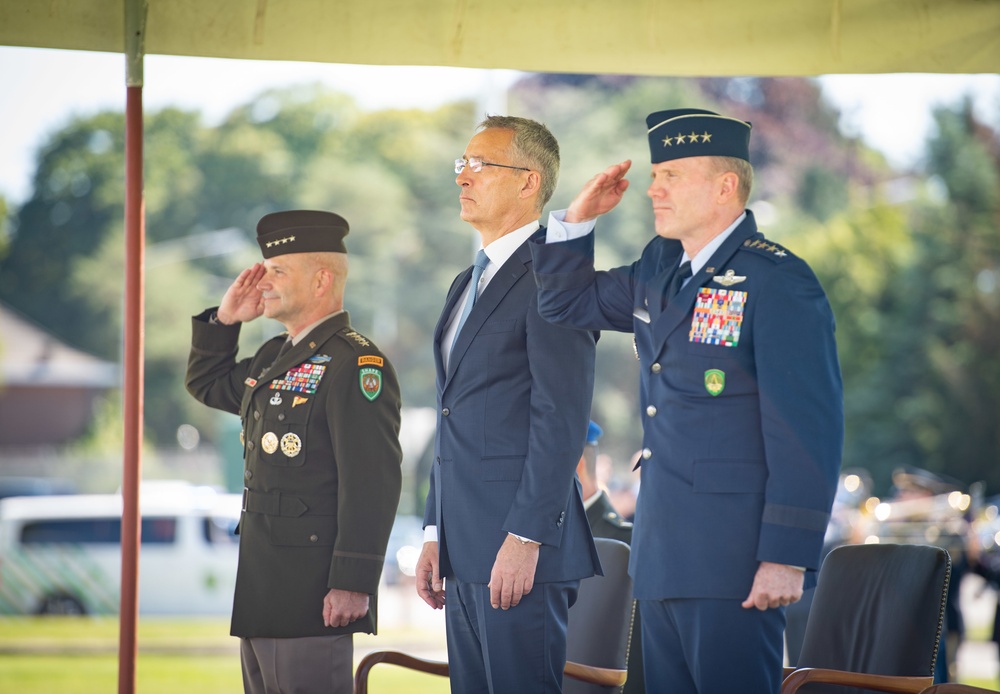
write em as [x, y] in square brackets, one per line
[742, 169]
[533, 146]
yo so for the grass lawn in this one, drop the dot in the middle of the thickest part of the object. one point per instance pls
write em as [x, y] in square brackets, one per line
[40, 655]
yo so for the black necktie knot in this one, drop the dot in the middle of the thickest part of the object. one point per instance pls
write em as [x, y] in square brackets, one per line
[677, 281]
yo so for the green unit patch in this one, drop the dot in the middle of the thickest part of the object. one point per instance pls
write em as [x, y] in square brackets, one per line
[715, 381]
[371, 382]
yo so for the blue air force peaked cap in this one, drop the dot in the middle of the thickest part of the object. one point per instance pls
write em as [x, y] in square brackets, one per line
[695, 132]
[301, 231]
[594, 433]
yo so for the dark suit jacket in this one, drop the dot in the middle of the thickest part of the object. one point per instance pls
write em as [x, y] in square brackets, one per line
[742, 405]
[512, 411]
[318, 517]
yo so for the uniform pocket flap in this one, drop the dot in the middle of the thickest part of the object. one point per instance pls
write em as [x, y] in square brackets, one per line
[301, 532]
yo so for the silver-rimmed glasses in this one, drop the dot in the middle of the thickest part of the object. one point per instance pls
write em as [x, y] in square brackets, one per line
[476, 165]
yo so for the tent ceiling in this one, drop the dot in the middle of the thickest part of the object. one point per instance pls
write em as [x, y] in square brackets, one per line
[655, 37]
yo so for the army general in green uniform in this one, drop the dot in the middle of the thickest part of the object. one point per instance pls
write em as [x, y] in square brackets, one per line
[320, 413]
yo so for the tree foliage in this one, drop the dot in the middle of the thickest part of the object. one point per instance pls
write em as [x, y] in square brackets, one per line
[911, 260]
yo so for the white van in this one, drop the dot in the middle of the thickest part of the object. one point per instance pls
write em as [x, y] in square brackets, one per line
[62, 554]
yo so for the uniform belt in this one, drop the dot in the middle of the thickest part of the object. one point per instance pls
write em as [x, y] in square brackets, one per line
[291, 505]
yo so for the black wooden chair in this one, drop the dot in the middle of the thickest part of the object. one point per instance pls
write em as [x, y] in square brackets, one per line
[598, 637]
[875, 622]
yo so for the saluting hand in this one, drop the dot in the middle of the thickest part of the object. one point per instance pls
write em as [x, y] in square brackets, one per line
[513, 573]
[243, 301]
[774, 585]
[341, 607]
[600, 194]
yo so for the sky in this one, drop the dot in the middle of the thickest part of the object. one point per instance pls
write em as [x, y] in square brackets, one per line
[43, 89]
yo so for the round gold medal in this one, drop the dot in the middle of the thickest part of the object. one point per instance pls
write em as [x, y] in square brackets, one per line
[270, 442]
[291, 444]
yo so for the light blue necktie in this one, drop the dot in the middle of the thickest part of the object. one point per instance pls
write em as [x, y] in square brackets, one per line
[477, 273]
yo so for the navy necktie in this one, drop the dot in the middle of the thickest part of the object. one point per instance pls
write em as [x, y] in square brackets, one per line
[677, 281]
[477, 273]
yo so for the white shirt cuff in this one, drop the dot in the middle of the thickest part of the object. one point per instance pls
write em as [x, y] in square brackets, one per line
[431, 533]
[561, 230]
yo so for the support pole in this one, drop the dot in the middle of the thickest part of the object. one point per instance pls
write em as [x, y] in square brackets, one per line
[132, 403]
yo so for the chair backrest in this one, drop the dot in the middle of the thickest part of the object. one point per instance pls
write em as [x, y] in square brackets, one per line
[878, 609]
[600, 621]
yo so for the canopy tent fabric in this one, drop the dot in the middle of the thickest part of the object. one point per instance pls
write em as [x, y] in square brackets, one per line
[639, 37]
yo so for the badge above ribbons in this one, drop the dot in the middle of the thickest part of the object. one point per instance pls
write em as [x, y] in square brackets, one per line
[715, 381]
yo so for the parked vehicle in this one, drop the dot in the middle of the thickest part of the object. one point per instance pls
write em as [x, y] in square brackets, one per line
[62, 554]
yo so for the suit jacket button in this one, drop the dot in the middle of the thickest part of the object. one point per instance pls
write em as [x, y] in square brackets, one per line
[656, 368]
[445, 412]
[651, 410]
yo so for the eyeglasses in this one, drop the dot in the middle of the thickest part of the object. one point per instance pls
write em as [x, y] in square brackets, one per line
[477, 164]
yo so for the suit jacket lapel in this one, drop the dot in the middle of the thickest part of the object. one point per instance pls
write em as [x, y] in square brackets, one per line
[679, 307]
[505, 278]
[449, 306]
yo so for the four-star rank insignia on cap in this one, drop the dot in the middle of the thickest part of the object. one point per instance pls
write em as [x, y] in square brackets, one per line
[370, 375]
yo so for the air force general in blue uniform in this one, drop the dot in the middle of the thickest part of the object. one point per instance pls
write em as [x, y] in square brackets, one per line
[741, 402]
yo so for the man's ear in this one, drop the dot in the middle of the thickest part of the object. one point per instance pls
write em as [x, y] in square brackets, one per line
[532, 184]
[729, 185]
[322, 281]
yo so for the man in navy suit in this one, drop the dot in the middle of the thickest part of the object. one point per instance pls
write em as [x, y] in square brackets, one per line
[741, 401]
[504, 520]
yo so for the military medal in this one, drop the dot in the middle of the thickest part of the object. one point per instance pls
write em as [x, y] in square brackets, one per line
[718, 317]
[269, 442]
[291, 444]
[242, 441]
[297, 400]
[275, 399]
[304, 378]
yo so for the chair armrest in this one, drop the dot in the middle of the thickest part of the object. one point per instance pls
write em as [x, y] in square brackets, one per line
[434, 667]
[882, 683]
[604, 676]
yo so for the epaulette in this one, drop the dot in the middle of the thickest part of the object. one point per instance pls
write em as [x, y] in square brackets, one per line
[353, 337]
[767, 249]
[369, 354]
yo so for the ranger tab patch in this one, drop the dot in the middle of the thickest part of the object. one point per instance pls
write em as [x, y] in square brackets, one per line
[718, 317]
